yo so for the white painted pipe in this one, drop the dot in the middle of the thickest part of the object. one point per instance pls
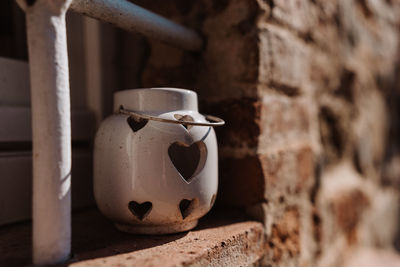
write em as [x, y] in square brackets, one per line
[131, 17]
[51, 129]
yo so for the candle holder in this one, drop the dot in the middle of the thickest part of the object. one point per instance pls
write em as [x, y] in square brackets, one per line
[156, 161]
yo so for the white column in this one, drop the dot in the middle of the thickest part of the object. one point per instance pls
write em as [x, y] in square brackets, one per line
[51, 129]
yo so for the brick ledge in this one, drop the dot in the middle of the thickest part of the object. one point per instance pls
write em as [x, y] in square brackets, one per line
[221, 239]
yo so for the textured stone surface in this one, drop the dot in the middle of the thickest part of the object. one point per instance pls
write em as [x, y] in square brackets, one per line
[296, 14]
[373, 258]
[310, 93]
[235, 170]
[284, 121]
[222, 68]
[223, 239]
[353, 212]
[283, 59]
[242, 116]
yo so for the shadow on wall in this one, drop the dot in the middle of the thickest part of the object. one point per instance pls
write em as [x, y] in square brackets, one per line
[391, 169]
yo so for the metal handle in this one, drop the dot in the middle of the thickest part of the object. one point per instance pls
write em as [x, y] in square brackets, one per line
[213, 121]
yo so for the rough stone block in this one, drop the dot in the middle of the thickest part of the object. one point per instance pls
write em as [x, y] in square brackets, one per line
[283, 121]
[241, 181]
[284, 60]
[297, 14]
[298, 83]
[370, 257]
[325, 72]
[353, 210]
[227, 67]
[284, 242]
[242, 117]
[288, 172]
[268, 124]
[230, 59]
[225, 239]
[278, 178]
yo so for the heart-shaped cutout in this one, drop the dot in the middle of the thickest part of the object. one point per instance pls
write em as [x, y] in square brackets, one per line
[140, 210]
[186, 207]
[188, 159]
[180, 117]
[136, 123]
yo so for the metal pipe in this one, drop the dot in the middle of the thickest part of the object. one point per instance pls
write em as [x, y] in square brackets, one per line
[131, 17]
[51, 129]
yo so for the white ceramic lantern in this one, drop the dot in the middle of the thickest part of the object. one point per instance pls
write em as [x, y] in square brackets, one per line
[156, 161]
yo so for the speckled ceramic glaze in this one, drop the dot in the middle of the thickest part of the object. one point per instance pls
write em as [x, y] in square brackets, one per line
[155, 177]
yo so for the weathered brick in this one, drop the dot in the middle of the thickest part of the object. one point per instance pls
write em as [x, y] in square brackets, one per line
[277, 177]
[296, 81]
[242, 117]
[351, 211]
[241, 181]
[297, 14]
[230, 59]
[267, 124]
[372, 257]
[284, 240]
[224, 239]
[326, 31]
[305, 168]
[324, 72]
[284, 60]
[348, 208]
[287, 171]
[227, 67]
[283, 121]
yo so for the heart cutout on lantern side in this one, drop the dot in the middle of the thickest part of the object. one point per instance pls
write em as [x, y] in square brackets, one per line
[136, 123]
[188, 159]
[140, 210]
[187, 206]
[180, 117]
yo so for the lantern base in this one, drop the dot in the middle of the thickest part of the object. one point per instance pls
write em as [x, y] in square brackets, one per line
[157, 229]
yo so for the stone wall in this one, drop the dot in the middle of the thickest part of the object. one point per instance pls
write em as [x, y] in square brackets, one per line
[310, 92]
